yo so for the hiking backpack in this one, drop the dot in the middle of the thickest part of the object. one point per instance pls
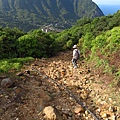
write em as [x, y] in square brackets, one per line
[77, 54]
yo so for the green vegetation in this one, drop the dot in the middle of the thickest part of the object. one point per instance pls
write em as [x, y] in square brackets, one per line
[36, 44]
[15, 43]
[27, 15]
[15, 63]
[8, 39]
[98, 39]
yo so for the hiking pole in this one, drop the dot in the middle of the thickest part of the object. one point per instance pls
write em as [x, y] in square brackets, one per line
[72, 95]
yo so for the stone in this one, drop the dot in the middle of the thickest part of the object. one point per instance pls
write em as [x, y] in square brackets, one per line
[78, 109]
[52, 113]
[113, 117]
[84, 95]
[5, 83]
[49, 113]
[103, 114]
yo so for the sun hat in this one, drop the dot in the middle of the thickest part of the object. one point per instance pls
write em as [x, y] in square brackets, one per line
[75, 46]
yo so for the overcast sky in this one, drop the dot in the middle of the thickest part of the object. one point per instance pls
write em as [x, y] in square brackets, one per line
[107, 1]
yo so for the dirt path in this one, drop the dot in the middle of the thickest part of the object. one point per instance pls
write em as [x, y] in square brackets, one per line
[34, 89]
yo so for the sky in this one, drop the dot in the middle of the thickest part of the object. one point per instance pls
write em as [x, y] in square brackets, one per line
[108, 6]
[107, 2]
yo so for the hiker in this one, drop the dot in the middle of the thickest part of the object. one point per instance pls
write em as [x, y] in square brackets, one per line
[76, 55]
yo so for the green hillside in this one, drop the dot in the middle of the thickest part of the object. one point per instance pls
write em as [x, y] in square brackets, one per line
[33, 14]
[36, 71]
[98, 39]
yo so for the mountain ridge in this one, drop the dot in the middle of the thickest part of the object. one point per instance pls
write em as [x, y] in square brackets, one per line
[41, 12]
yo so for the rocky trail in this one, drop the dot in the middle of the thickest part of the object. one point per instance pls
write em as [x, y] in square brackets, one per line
[51, 89]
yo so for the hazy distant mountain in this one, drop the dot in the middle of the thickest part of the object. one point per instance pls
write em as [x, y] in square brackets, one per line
[30, 14]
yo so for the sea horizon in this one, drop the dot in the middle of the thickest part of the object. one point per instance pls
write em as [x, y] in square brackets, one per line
[109, 8]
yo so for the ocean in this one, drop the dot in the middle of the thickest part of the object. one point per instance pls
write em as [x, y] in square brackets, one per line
[109, 9]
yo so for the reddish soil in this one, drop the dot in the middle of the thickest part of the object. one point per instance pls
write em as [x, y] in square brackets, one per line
[35, 87]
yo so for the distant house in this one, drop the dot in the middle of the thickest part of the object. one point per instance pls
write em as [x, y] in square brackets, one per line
[44, 30]
[50, 29]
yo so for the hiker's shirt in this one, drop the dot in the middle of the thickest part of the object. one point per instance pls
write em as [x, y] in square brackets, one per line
[75, 54]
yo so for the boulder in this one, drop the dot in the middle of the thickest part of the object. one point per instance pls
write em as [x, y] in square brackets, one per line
[5, 83]
[51, 113]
